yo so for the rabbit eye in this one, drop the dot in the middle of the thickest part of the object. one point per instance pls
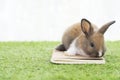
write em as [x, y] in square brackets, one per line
[92, 44]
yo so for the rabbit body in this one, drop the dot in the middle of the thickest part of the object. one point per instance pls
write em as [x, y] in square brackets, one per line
[72, 33]
[84, 39]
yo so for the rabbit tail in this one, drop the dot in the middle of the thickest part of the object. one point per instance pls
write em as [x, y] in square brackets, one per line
[61, 47]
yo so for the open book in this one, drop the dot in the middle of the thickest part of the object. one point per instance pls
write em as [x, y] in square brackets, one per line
[59, 57]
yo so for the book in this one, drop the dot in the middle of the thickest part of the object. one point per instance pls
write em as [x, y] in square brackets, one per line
[59, 57]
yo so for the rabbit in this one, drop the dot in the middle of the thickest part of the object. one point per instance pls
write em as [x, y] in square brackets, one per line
[84, 39]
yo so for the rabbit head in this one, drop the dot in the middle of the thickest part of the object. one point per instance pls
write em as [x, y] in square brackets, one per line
[92, 41]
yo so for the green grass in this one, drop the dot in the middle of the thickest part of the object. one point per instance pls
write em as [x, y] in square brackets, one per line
[31, 61]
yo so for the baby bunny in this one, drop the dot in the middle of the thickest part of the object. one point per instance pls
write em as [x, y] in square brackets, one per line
[84, 39]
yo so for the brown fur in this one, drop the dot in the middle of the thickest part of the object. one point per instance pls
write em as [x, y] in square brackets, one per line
[72, 32]
[89, 38]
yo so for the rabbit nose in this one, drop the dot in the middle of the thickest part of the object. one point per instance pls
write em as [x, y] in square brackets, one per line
[100, 53]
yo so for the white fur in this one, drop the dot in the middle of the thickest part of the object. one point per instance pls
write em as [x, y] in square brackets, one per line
[100, 53]
[73, 50]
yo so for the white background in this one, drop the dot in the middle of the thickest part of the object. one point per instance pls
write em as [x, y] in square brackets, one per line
[36, 20]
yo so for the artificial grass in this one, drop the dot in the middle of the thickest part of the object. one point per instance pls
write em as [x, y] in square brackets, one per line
[31, 61]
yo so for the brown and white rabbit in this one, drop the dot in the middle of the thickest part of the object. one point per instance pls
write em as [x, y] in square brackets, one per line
[84, 39]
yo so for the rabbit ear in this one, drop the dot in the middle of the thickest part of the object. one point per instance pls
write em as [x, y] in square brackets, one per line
[105, 27]
[86, 27]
